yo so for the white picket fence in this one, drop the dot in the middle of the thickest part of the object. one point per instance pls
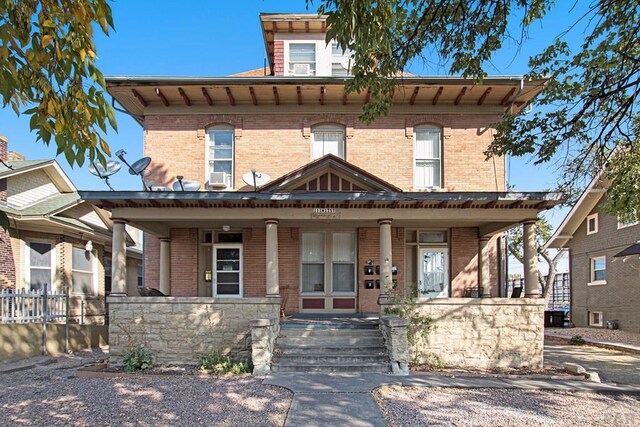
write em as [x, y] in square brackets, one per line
[25, 306]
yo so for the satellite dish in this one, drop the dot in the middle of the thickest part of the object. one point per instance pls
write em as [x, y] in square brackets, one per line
[185, 185]
[345, 62]
[255, 178]
[104, 172]
[137, 168]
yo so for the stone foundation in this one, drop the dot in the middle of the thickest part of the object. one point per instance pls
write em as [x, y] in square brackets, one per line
[394, 331]
[483, 333]
[179, 330]
[263, 341]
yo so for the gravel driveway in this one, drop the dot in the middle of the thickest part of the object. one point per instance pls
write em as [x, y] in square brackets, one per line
[407, 406]
[53, 396]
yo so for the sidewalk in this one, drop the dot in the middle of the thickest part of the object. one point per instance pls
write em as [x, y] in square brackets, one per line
[346, 399]
[65, 361]
[606, 344]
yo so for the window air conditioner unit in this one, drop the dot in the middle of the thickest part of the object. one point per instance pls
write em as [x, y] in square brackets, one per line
[301, 69]
[218, 180]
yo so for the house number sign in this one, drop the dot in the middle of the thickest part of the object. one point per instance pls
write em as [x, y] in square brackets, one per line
[325, 213]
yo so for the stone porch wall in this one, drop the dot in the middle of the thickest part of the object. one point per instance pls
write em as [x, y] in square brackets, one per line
[483, 333]
[178, 330]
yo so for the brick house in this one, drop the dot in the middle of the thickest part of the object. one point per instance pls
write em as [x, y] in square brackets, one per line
[54, 237]
[350, 212]
[604, 285]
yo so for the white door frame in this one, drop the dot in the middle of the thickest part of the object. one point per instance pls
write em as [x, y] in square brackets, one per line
[445, 293]
[214, 278]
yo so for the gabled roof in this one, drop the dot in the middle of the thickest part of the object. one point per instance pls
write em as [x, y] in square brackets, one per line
[51, 168]
[578, 213]
[328, 173]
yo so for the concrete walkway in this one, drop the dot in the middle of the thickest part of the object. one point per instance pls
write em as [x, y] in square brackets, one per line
[606, 344]
[346, 399]
[612, 366]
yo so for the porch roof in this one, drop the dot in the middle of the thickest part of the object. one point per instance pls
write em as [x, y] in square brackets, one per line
[321, 199]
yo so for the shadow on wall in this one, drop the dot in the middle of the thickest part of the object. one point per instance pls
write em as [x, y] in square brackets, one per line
[20, 341]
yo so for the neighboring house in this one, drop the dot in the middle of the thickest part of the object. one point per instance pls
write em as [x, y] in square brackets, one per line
[604, 287]
[349, 211]
[55, 238]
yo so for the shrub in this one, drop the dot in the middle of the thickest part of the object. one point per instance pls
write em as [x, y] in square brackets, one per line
[221, 364]
[577, 340]
[138, 359]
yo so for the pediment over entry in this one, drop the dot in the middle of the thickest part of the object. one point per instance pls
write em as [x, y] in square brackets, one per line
[328, 173]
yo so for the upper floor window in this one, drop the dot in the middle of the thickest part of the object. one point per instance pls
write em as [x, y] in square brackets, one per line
[623, 224]
[592, 224]
[302, 59]
[220, 144]
[340, 61]
[428, 160]
[327, 140]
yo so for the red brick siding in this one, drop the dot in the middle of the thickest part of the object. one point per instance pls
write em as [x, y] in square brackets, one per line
[464, 260]
[7, 263]
[184, 262]
[152, 261]
[254, 255]
[278, 58]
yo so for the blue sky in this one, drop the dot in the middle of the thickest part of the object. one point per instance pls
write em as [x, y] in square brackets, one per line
[210, 38]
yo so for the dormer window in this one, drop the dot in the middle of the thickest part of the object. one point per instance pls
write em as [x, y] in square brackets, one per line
[302, 59]
[340, 61]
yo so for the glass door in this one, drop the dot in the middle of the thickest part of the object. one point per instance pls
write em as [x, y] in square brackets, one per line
[227, 278]
[434, 273]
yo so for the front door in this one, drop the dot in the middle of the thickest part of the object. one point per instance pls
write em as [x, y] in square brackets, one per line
[227, 267]
[434, 273]
[328, 272]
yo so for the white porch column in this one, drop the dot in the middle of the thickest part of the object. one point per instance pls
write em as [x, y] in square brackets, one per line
[386, 260]
[165, 265]
[119, 258]
[273, 271]
[483, 266]
[531, 289]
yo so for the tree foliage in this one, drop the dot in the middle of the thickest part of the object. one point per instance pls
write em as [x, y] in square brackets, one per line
[588, 107]
[48, 72]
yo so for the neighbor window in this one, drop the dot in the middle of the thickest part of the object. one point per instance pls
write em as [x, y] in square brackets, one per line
[327, 140]
[302, 59]
[598, 274]
[427, 168]
[623, 224]
[39, 268]
[592, 224]
[82, 272]
[340, 61]
[595, 318]
[220, 157]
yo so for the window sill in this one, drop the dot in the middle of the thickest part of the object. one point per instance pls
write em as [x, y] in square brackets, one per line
[597, 283]
[590, 233]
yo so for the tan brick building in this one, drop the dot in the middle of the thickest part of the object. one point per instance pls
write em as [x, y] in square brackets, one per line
[604, 285]
[341, 212]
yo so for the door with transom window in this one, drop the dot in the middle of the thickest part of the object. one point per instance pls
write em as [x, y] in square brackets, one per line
[328, 272]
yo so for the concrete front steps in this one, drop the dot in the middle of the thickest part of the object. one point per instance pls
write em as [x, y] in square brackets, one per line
[330, 345]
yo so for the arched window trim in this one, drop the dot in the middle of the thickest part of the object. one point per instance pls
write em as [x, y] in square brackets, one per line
[317, 152]
[421, 161]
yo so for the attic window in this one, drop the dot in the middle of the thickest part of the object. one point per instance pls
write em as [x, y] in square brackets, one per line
[302, 59]
[592, 224]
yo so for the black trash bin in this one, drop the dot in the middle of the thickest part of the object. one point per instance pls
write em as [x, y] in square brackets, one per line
[554, 318]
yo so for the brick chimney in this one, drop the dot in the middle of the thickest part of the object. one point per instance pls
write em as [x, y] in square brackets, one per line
[7, 264]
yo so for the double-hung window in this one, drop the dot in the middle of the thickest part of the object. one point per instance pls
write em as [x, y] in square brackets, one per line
[83, 280]
[598, 273]
[340, 61]
[427, 167]
[220, 157]
[313, 254]
[40, 265]
[343, 268]
[327, 140]
[302, 59]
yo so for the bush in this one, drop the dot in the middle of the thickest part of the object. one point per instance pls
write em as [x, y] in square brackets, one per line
[138, 359]
[577, 340]
[217, 363]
